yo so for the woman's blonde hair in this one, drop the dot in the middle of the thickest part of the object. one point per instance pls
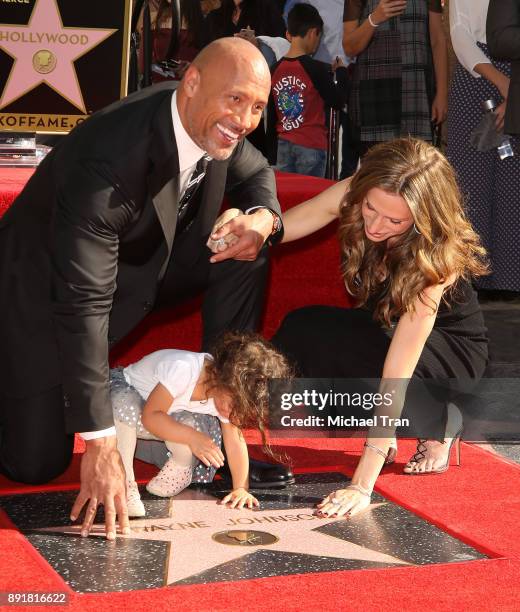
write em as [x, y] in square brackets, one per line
[440, 245]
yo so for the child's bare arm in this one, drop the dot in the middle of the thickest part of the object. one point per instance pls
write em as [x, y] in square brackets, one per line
[156, 420]
[237, 455]
[238, 459]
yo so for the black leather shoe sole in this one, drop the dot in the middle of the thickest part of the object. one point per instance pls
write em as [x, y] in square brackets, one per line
[263, 475]
[275, 484]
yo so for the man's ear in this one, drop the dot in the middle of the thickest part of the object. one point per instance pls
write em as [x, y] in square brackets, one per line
[191, 80]
[288, 36]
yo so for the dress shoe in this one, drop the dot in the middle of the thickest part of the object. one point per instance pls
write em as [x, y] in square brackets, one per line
[263, 475]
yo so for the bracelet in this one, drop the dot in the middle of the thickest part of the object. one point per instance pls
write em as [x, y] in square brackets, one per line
[377, 450]
[360, 489]
[374, 25]
[277, 223]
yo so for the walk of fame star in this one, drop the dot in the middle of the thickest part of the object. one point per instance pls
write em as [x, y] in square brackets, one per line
[191, 539]
[197, 512]
[44, 51]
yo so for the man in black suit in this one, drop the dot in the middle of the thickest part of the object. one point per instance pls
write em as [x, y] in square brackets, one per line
[115, 220]
[503, 39]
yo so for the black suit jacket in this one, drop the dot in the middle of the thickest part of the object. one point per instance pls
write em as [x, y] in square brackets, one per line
[84, 246]
[503, 39]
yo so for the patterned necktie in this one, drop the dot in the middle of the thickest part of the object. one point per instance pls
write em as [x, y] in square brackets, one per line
[192, 186]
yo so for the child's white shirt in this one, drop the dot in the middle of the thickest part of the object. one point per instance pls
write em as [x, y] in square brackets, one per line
[178, 371]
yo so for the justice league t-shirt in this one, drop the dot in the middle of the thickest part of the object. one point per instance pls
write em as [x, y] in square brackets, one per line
[301, 90]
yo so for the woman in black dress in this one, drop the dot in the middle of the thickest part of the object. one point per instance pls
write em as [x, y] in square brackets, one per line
[409, 256]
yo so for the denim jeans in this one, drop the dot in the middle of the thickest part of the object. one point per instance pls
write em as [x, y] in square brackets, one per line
[302, 160]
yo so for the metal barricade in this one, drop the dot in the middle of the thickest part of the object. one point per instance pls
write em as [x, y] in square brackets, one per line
[332, 169]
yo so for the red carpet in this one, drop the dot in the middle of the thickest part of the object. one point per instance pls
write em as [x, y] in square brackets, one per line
[478, 503]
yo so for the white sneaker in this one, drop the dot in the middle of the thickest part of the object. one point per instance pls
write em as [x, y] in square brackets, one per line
[172, 479]
[133, 500]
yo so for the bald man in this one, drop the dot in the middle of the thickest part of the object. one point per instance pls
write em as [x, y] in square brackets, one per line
[115, 221]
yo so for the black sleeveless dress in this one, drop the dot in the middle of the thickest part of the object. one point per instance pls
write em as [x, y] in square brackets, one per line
[346, 343]
[325, 341]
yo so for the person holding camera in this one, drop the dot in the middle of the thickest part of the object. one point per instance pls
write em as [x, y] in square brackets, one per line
[487, 181]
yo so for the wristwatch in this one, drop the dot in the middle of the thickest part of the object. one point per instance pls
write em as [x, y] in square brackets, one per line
[277, 232]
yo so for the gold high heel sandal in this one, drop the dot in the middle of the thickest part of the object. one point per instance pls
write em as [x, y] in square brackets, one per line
[454, 424]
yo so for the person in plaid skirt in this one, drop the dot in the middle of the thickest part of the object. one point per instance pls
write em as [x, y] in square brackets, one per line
[399, 82]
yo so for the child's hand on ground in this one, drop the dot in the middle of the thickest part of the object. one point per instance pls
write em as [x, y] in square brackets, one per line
[238, 498]
[203, 447]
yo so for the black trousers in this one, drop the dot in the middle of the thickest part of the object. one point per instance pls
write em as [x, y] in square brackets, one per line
[233, 290]
[34, 445]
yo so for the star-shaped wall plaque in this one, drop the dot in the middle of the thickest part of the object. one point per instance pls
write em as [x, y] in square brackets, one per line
[54, 58]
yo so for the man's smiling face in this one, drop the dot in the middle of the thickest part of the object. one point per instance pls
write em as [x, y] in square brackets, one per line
[225, 100]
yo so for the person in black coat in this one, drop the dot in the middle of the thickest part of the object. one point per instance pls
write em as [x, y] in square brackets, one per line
[101, 233]
[262, 16]
[503, 39]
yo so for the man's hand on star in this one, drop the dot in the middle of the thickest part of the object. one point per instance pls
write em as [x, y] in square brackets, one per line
[102, 482]
[251, 232]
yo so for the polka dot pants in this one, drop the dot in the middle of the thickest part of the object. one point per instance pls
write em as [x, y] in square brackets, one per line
[127, 406]
[489, 184]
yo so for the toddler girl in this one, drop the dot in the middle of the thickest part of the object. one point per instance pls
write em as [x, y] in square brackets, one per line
[193, 401]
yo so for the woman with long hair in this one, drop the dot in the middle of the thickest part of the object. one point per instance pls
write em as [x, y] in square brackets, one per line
[409, 255]
[192, 32]
[168, 42]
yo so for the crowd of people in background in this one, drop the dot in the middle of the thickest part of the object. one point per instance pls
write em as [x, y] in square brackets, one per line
[120, 214]
[383, 64]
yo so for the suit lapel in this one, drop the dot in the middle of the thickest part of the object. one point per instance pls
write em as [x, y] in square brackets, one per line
[163, 179]
[166, 204]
